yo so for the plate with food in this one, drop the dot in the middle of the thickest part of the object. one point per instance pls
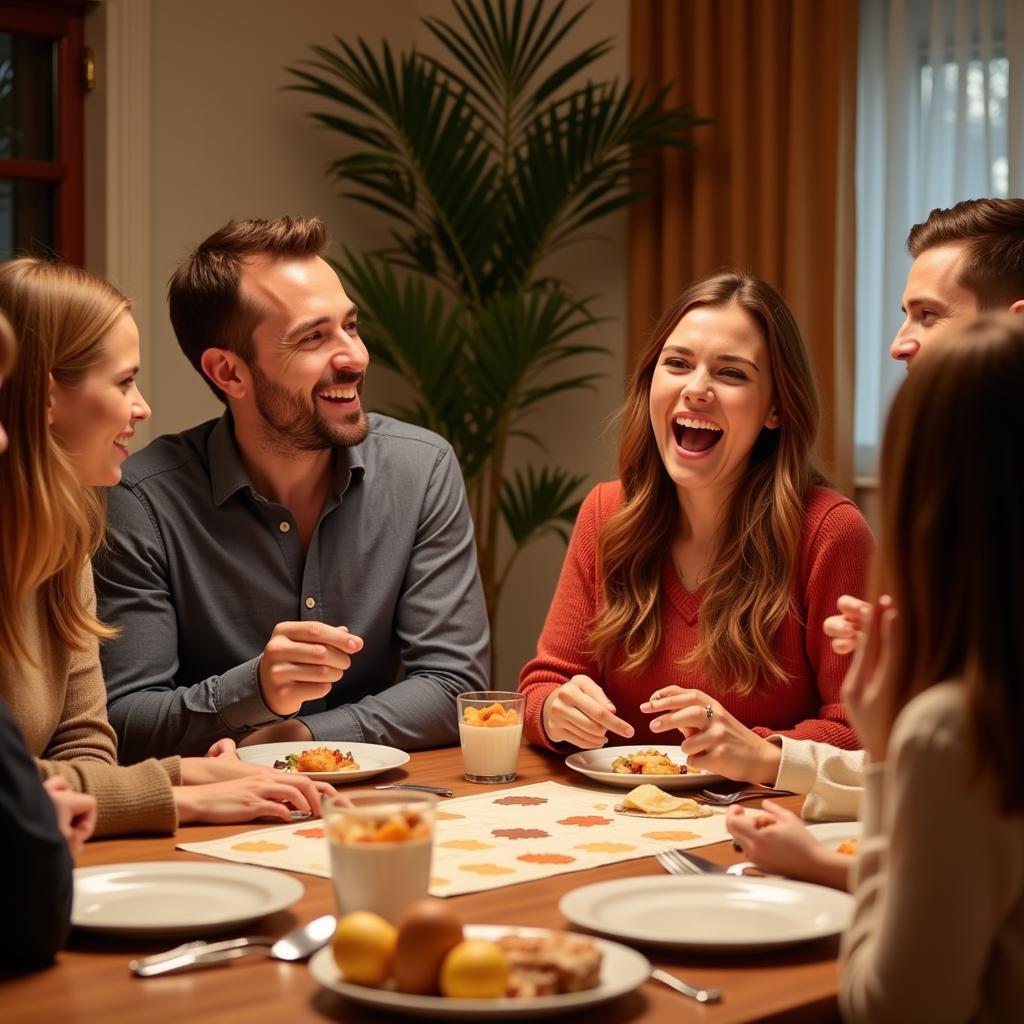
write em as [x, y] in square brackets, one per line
[841, 836]
[626, 766]
[710, 913]
[152, 898]
[510, 971]
[326, 760]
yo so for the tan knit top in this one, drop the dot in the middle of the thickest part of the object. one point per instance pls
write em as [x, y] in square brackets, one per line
[60, 704]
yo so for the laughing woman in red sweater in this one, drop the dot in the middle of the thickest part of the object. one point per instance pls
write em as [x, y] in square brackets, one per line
[694, 588]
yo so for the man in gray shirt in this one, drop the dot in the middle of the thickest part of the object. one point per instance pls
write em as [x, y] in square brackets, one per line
[296, 556]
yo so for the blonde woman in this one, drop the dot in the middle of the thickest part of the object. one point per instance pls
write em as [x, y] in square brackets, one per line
[70, 409]
[694, 588]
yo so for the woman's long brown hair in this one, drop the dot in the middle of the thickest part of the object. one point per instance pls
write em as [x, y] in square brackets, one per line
[748, 591]
[952, 534]
[51, 524]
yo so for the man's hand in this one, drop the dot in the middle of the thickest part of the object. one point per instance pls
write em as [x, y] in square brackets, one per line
[76, 812]
[302, 661]
[580, 712]
[844, 628]
[714, 740]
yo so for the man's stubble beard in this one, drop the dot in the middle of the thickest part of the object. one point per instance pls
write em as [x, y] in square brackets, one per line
[290, 425]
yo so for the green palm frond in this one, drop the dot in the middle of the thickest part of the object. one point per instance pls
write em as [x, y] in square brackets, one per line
[426, 161]
[483, 164]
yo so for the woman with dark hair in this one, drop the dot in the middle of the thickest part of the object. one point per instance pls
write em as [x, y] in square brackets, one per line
[693, 590]
[935, 691]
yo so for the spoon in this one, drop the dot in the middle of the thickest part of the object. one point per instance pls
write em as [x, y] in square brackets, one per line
[296, 945]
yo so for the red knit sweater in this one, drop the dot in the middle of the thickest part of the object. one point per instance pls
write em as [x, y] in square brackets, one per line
[833, 560]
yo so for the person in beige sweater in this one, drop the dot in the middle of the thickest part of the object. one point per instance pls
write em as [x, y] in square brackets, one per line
[935, 694]
[70, 408]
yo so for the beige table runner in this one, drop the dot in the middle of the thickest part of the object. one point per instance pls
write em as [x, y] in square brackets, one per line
[495, 838]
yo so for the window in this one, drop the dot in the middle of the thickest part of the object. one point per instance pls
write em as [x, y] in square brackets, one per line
[935, 102]
[41, 119]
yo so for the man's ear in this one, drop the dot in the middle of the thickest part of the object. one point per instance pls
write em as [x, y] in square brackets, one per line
[1017, 307]
[51, 400]
[773, 420]
[226, 369]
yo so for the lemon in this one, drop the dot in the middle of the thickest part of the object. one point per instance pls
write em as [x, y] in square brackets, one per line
[364, 946]
[474, 969]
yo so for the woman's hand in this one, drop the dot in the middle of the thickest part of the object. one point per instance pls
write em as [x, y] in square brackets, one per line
[865, 694]
[844, 629]
[264, 795]
[579, 712]
[201, 771]
[76, 812]
[778, 842]
[714, 741]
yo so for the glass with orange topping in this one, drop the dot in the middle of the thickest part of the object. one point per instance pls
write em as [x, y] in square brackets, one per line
[491, 731]
[381, 845]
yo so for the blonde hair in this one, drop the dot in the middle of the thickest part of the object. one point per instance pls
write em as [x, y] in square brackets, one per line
[952, 534]
[748, 592]
[51, 524]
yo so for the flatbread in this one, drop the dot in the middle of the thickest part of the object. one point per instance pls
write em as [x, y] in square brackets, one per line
[648, 801]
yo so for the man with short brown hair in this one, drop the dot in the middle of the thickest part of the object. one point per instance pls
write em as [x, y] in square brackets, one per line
[967, 260]
[296, 557]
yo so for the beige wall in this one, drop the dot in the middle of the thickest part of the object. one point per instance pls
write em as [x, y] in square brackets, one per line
[226, 141]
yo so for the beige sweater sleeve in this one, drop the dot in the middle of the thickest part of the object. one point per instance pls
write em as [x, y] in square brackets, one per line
[83, 749]
[832, 779]
[938, 930]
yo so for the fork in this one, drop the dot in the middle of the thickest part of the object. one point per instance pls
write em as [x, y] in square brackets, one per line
[678, 862]
[726, 799]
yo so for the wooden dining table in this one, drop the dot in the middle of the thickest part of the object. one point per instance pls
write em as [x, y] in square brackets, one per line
[91, 981]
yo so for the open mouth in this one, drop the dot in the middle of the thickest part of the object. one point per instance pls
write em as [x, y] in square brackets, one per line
[121, 441]
[697, 436]
[339, 395]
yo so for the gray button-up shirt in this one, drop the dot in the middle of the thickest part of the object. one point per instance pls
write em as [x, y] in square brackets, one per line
[200, 568]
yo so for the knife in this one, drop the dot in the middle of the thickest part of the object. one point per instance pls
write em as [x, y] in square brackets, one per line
[439, 790]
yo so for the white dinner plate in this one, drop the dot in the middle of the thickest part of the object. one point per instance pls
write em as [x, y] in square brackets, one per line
[832, 833]
[713, 913]
[597, 765]
[622, 970]
[372, 758]
[172, 897]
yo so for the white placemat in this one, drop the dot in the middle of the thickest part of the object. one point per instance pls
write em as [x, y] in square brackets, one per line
[495, 838]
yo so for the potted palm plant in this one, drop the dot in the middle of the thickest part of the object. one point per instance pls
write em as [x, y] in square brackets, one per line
[485, 164]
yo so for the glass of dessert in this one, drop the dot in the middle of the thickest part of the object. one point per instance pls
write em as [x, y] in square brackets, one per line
[381, 845]
[491, 732]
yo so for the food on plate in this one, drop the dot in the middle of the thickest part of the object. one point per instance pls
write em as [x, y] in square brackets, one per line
[551, 964]
[428, 955]
[364, 947]
[318, 759]
[394, 826]
[652, 802]
[427, 932]
[848, 846]
[493, 716]
[475, 969]
[646, 762]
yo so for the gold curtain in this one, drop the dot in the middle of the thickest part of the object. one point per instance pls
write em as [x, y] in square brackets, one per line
[770, 187]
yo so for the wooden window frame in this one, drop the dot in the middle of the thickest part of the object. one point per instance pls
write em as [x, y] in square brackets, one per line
[64, 22]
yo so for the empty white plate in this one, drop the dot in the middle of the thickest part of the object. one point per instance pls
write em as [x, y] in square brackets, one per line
[714, 913]
[622, 970]
[172, 897]
[372, 758]
[597, 765]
